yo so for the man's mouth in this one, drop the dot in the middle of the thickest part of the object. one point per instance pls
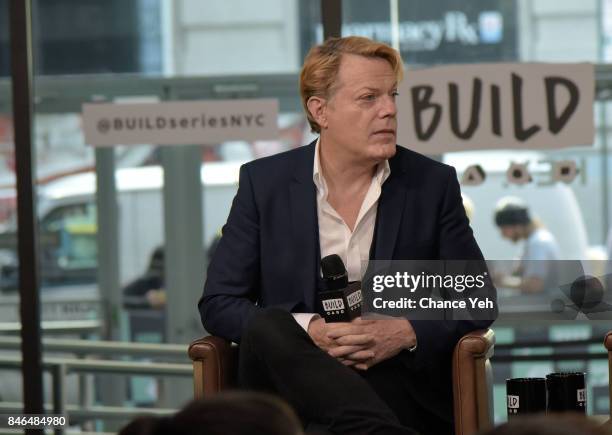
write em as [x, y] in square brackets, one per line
[385, 131]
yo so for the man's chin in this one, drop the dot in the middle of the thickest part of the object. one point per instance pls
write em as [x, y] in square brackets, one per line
[379, 152]
[388, 150]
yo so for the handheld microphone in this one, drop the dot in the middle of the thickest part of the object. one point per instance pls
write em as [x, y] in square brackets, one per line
[342, 301]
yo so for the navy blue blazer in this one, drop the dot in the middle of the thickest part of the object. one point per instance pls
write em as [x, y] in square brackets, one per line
[269, 252]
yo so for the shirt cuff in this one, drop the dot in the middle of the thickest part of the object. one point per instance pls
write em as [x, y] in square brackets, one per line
[304, 319]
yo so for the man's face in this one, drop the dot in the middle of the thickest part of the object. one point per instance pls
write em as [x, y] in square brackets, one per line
[361, 112]
[512, 232]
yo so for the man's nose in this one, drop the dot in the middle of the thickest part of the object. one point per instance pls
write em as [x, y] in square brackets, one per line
[388, 107]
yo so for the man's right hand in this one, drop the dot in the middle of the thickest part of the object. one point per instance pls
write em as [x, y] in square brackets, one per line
[319, 331]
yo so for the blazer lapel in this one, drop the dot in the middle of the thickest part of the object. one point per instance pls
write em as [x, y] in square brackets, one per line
[305, 227]
[390, 211]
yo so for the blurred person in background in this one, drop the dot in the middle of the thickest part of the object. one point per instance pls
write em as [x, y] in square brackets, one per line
[229, 413]
[147, 291]
[468, 205]
[145, 301]
[537, 267]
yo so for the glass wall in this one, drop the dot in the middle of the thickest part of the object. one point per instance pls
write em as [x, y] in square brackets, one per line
[105, 268]
[104, 213]
[9, 267]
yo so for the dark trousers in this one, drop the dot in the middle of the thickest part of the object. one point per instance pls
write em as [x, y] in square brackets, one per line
[278, 356]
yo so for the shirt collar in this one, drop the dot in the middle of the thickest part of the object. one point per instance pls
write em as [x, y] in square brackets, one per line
[383, 170]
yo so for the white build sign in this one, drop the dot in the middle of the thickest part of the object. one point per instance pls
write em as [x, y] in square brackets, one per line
[501, 105]
[180, 122]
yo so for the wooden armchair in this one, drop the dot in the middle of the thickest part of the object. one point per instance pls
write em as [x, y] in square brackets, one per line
[214, 367]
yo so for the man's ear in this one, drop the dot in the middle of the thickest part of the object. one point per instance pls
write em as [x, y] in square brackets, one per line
[318, 108]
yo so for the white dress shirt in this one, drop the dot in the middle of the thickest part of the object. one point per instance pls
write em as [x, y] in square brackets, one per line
[335, 236]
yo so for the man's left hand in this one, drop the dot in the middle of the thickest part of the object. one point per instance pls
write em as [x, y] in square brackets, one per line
[388, 337]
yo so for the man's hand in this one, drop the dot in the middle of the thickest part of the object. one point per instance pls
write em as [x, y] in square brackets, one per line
[317, 329]
[364, 343]
[356, 344]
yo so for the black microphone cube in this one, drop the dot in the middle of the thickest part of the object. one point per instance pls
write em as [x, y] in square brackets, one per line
[342, 305]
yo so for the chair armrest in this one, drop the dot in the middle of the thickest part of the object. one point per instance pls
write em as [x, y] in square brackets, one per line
[608, 341]
[477, 344]
[209, 348]
[214, 363]
[473, 382]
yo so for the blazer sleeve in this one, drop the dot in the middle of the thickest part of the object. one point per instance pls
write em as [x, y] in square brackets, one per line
[437, 338]
[232, 283]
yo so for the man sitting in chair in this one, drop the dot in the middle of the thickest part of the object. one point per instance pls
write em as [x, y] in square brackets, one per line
[355, 193]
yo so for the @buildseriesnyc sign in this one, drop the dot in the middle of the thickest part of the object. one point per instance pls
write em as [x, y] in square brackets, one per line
[180, 122]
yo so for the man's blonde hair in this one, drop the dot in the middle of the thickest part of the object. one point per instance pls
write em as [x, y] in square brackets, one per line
[320, 71]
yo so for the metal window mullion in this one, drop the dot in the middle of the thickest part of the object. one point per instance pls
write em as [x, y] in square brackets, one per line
[20, 12]
[331, 16]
